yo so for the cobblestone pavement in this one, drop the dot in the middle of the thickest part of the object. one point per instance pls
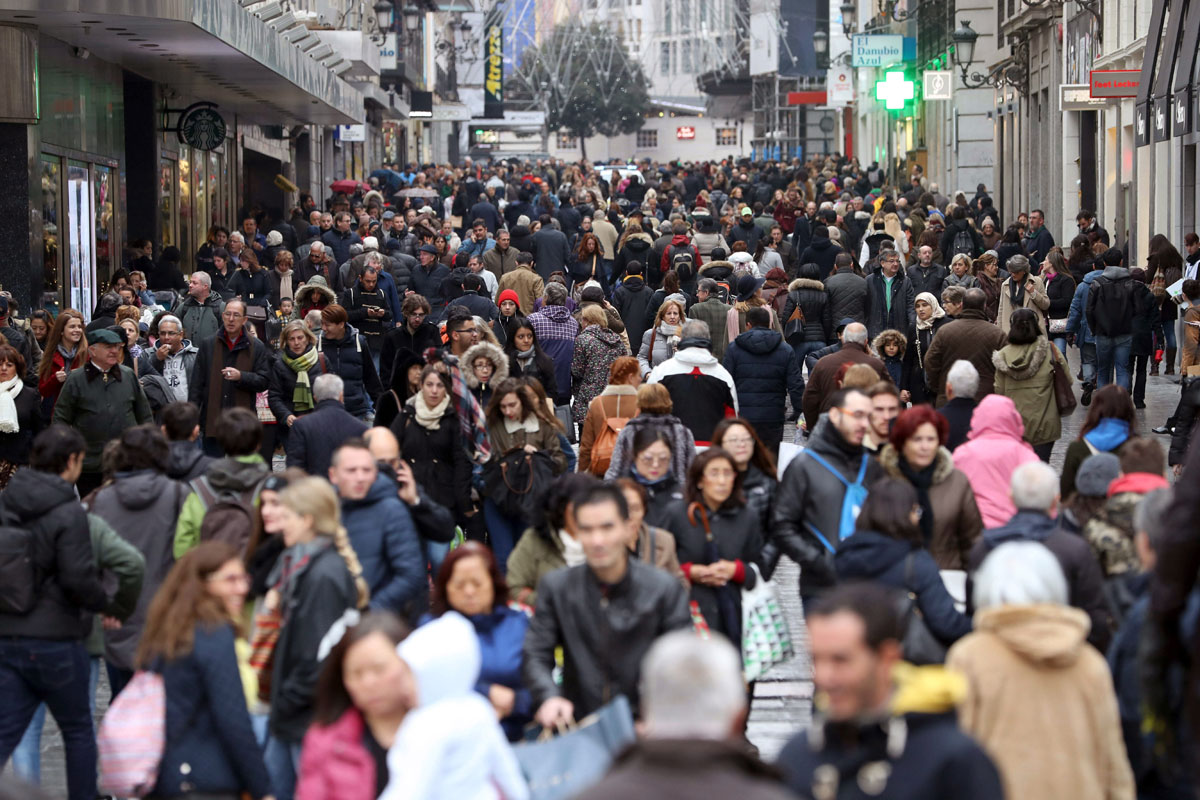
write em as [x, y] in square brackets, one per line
[782, 701]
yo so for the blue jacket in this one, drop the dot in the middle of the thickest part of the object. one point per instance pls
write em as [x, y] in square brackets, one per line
[384, 537]
[350, 359]
[314, 436]
[210, 748]
[765, 372]
[501, 638]
[340, 243]
[1076, 317]
[872, 556]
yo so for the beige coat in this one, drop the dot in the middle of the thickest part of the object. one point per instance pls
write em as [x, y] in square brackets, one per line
[1040, 700]
[526, 283]
[1037, 299]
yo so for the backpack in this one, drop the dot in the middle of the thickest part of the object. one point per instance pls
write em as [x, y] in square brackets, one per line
[606, 441]
[724, 292]
[158, 393]
[962, 244]
[133, 737]
[852, 501]
[683, 262]
[228, 516]
[18, 569]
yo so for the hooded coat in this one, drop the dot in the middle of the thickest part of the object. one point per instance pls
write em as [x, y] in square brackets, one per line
[1024, 373]
[494, 354]
[350, 359]
[765, 371]
[596, 348]
[1041, 701]
[702, 391]
[142, 507]
[451, 746]
[186, 461]
[631, 298]
[995, 447]
[957, 523]
[815, 304]
[821, 252]
[683, 445]
[637, 248]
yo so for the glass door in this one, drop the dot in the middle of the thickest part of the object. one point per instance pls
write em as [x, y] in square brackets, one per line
[45, 287]
[107, 239]
[81, 239]
[168, 205]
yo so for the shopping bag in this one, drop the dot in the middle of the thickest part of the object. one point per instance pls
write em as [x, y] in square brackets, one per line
[955, 581]
[766, 637]
[564, 765]
[787, 452]
[133, 737]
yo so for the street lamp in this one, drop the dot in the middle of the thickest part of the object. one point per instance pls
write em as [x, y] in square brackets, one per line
[384, 19]
[1013, 71]
[412, 24]
[848, 10]
[964, 44]
[821, 47]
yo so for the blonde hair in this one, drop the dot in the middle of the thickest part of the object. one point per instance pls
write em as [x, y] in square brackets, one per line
[315, 498]
[653, 398]
[662, 311]
[594, 315]
[296, 325]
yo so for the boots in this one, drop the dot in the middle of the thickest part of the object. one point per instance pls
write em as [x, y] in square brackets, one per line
[1154, 369]
[1088, 387]
[1171, 351]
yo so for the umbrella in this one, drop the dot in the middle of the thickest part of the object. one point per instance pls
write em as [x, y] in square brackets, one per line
[348, 186]
[388, 177]
[417, 191]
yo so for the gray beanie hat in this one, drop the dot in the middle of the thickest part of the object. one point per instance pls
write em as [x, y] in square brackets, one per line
[1096, 473]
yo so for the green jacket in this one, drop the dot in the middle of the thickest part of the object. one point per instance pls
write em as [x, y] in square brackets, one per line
[533, 557]
[117, 556]
[715, 313]
[101, 409]
[1024, 375]
[224, 474]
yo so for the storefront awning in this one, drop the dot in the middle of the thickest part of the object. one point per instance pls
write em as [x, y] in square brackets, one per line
[212, 49]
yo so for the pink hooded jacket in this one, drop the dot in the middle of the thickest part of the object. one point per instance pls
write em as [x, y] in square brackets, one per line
[993, 450]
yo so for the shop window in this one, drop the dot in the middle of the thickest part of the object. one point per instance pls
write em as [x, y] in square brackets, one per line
[567, 142]
[726, 137]
[106, 225]
[664, 57]
[52, 232]
[647, 139]
[166, 194]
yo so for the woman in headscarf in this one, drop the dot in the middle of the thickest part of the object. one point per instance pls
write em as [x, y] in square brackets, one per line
[930, 317]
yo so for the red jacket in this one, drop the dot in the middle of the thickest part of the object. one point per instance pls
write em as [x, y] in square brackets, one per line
[50, 387]
[785, 215]
[334, 762]
[679, 241]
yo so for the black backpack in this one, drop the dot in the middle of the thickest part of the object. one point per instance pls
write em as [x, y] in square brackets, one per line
[18, 568]
[962, 244]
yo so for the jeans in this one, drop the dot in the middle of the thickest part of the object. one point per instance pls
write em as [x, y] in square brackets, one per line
[1061, 343]
[1087, 362]
[1112, 354]
[569, 451]
[282, 760]
[503, 532]
[57, 673]
[804, 348]
[27, 758]
[1164, 333]
[434, 553]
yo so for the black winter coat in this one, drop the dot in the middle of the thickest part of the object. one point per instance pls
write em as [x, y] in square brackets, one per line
[750, 234]
[540, 367]
[314, 437]
[1061, 290]
[1006, 250]
[871, 556]
[901, 316]
[427, 282]
[1185, 419]
[637, 248]
[631, 300]
[1145, 317]
[821, 252]
[402, 338]
[847, 296]
[736, 536]
[766, 373]
[927, 279]
[439, 463]
[350, 359]
[913, 371]
[816, 307]
[253, 287]
[954, 227]
[46, 505]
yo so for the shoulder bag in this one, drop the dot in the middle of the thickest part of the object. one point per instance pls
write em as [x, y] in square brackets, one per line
[1064, 395]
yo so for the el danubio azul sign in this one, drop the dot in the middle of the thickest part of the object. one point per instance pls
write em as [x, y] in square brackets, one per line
[876, 50]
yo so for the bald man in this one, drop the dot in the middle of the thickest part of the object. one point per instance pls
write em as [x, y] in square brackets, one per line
[434, 522]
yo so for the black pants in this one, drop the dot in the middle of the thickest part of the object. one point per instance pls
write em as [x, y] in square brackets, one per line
[771, 435]
[1138, 375]
[1043, 451]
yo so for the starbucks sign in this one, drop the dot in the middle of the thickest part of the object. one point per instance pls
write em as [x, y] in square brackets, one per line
[201, 127]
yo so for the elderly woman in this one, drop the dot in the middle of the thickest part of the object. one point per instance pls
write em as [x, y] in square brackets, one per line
[20, 414]
[960, 273]
[607, 414]
[916, 454]
[1021, 290]
[596, 348]
[930, 317]
[1039, 699]
[650, 544]
[1024, 373]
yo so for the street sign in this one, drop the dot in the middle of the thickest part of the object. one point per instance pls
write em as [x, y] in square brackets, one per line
[895, 90]
[881, 50]
[352, 133]
[685, 132]
[939, 85]
[839, 85]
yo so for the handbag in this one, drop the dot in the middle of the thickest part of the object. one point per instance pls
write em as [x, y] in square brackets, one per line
[562, 766]
[919, 646]
[793, 329]
[1064, 395]
[516, 481]
[766, 637]
[1057, 327]
[133, 737]
[563, 413]
[267, 624]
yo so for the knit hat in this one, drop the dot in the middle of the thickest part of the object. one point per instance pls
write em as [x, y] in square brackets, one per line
[274, 239]
[508, 294]
[1096, 473]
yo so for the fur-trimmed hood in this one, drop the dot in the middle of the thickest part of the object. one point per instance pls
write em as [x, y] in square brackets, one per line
[715, 265]
[315, 284]
[806, 283]
[1021, 362]
[943, 463]
[879, 341]
[494, 354]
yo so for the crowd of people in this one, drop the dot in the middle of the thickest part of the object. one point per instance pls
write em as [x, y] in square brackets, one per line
[368, 495]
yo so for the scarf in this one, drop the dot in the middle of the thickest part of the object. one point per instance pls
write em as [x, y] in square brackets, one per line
[8, 405]
[68, 356]
[429, 418]
[1016, 293]
[670, 330]
[525, 355]
[572, 550]
[921, 481]
[302, 396]
[285, 284]
[472, 424]
[291, 565]
[938, 311]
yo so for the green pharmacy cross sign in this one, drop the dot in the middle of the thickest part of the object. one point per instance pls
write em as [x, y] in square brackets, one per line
[895, 90]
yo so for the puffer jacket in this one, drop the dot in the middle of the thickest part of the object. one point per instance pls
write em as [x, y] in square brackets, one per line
[1024, 373]
[871, 556]
[493, 353]
[810, 495]
[815, 305]
[707, 241]
[596, 349]
[350, 359]
[765, 372]
[604, 632]
[994, 448]
[847, 296]
[956, 520]
[383, 536]
[142, 507]
[637, 248]
[1060, 289]
[46, 506]
[821, 252]
[631, 298]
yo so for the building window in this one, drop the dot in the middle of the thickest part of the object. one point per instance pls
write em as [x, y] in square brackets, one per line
[647, 140]
[664, 57]
[567, 142]
[639, 30]
[726, 137]
[667, 16]
[685, 16]
[686, 47]
[674, 58]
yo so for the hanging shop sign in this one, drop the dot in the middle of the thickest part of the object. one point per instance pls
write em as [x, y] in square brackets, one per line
[1115, 82]
[493, 79]
[939, 85]
[839, 85]
[201, 127]
[881, 50]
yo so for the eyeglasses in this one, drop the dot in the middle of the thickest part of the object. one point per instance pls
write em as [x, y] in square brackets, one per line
[232, 315]
[656, 461]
